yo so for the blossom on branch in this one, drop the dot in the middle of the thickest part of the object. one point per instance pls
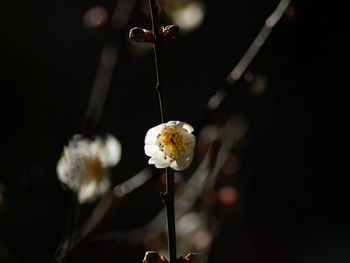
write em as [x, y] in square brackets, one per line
[83, 165]
[170, 144]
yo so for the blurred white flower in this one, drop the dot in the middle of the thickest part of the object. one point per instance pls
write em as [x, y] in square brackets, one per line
[83, 165]
[188, 15]
[170, 144]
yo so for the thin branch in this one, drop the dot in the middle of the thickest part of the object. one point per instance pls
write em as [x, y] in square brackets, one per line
[169, 195]
[170, 212]
[108, 60]
[156, 33]
[258, 42]
[249, 55]
[105, 69]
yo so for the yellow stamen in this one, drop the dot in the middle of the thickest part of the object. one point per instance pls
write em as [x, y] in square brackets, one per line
[93, 169]
[171, 143]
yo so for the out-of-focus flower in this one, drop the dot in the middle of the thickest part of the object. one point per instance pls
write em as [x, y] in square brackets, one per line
[192, 233]
[83, 165]
[227, 196]
[170, 144]
[189, 15]
[96, 17]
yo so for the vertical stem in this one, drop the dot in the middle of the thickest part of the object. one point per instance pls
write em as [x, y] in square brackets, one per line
[156, 33]
[158, 87]
[169, 197]
[170, 212]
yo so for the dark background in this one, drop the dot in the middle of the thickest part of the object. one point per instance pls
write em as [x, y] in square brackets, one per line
[294, 158]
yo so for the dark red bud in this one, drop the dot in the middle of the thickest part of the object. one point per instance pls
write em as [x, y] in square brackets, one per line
[139, 34]
[190, 257]
[164, 260]
[152, 257]
[170, 32]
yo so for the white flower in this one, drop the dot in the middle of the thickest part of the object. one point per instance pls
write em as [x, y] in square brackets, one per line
[83, 165]
[188, 16]
[170, 144]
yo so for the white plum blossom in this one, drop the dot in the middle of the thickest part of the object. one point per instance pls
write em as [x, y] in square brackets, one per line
[83, 165]
[170, 144]
[188, 15]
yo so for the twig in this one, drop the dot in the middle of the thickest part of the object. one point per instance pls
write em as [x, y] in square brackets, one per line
[106, 67]
[156, 33]
[170, 212]
[216, 100]
[169, 195]
[108, 60]
[258, 42]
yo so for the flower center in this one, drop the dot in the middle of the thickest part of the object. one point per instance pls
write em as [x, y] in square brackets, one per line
[93, 169]
[170, 142]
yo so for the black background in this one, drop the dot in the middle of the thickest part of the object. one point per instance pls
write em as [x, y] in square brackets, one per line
[296, 196]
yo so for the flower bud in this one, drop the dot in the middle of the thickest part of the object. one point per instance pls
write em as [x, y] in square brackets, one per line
[152, 257]
[139, 34]
[170, 32]
[189, 258]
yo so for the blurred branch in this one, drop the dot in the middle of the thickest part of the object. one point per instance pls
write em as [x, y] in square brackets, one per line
[216, 100]
[192, 191]
[121, 14]
[233, 132]
[105, 69]
[108, 60]
[78, 235]
[111, 199]
[104, 74]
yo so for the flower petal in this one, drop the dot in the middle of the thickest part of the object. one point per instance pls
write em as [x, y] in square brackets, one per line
[151, 135]
[104, 185]
[187, 127]
[151, 149]
[110, 154]
[62, 169]
[159, 161]
[172, 123]
[87, 192]
[182, 162]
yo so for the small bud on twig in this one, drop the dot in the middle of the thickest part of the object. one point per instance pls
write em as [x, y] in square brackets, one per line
[170, 32]
[152, 257]
[189, 258]
[139, 34]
